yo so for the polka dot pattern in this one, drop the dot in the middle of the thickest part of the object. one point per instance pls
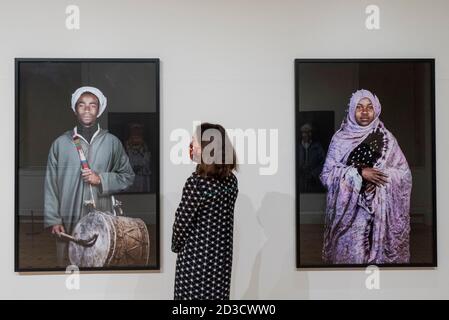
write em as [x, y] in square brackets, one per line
[202, 237]
[368, 152]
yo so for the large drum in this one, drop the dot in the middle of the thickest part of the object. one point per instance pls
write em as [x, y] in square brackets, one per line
[117, 241]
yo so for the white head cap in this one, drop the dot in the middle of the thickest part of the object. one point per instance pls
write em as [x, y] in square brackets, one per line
[101, 98]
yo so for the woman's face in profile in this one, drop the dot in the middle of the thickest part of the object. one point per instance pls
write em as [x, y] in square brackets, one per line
[195, 150]
[364, 112]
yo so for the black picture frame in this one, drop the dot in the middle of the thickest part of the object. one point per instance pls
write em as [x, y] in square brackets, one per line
[156, 246]
[300, 265]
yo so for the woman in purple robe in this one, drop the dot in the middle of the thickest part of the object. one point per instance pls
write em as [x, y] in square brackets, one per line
[368, 185]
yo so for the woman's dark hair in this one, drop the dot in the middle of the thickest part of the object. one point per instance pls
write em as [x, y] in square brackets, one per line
[218, 158]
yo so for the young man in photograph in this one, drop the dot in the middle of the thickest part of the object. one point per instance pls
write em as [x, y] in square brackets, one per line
[69, 183]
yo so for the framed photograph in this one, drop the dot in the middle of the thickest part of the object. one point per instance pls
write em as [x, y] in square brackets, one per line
[87, 164]
[375, 203]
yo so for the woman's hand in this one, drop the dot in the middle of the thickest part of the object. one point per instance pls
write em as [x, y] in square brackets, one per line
[375, 176]
[371, 188]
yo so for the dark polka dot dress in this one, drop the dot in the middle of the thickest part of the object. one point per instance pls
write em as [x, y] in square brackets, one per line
[202, 237]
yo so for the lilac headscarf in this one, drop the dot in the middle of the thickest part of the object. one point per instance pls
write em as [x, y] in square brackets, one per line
[352, 124]
[351, 133]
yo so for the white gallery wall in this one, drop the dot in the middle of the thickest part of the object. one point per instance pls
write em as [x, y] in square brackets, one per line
[230, 62]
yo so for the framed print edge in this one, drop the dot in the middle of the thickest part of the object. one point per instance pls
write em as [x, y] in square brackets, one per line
[421, 266]
[17, 65]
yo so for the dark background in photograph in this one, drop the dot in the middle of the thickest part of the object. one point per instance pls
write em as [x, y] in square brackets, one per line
[404, 89]
[322, 123]
[44, 90]
[123, 125]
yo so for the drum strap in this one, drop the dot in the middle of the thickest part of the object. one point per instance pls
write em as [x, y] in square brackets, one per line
[83, 158]
[84, 165]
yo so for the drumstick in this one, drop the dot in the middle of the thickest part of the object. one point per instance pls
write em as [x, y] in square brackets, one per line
[86, 243]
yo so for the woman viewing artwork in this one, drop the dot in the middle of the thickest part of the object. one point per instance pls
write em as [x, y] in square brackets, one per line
[204, 221]
[369, 183]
